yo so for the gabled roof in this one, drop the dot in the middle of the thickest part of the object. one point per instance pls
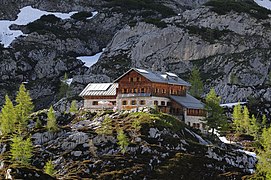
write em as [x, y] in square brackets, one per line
[188, 101]
[100, 89]
[168, 77]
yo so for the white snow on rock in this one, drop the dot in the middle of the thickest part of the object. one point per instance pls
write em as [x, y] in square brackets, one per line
[90, 60]
[230, 105]
[27, 15]
[253, 154]
[264, 3]
[201, 141]
[93, 14]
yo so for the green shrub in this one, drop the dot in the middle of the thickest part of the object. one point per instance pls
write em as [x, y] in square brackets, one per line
[246, 6]
[49, 168]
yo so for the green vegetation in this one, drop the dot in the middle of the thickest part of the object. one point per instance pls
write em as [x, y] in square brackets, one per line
[196, 83]
[51, 121]
[207, 34]
[81, 15]
[142, 4]
[250, 7]
[49, 168]
[264, 163]
[7, 117]
[73, 108]
[216, 118]
[122, 141]
[21, 150]
[64, 90]
[23, 108]
[106, 127]
[242, 122]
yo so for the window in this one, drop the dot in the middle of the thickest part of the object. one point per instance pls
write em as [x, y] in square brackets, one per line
[113, 102]
[125, 91]
[142, 90]
[124, 102]
[135, 90]
[142, 102]
[133, 102]
[163, 103]
[135, 79]
[131, 79]
[95, 103]
[163, 91]
[155, 103]
[138, 79]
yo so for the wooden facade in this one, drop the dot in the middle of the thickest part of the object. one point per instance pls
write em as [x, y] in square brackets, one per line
[133, 82]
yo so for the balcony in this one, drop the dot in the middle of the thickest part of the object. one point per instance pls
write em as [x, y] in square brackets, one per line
[134, 95]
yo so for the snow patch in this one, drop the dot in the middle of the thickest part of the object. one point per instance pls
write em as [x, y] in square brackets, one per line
[264, 3]
[90, 60]
[230, 105]
[27, 15]
[93, 14]
[201, 141]
[253, 154]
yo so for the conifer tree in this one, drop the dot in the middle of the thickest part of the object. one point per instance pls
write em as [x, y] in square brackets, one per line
[49, 168]
[7, 117]
[73, 108]
[122, 141]
[24, 106]
[246, 120]
[51, 120]
[21, 150]
[254, 127]
[216, 118]
[264, 162]
[106, 126]
[64, 87]
[264, 121]
[237, 118]
[196, 83]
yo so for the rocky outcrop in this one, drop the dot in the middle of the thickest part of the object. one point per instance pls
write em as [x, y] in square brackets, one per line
[231, 50]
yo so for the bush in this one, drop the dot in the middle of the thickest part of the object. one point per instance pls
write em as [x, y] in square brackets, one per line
[246, 6]
[21, 150]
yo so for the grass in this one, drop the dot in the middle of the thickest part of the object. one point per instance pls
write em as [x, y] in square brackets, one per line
[241, 6]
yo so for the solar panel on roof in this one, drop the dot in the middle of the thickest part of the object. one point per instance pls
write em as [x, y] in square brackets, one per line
[99, 86]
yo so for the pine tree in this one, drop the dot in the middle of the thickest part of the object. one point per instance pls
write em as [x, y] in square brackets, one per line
[246, 121]
[264, 162]
[24, 107]
[51, 120]
[196, 83]
[237, 118]
[106, 126]
[216, 118]
[49, 168]
[73, 108]
[7, 117]
[21, 150]
[122, 141]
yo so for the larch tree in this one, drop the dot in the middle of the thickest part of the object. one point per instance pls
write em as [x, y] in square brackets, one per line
[122, 141]
[216, 118]
[254, 127]
[7, 117]
[264, 121]
[246, 121]
[49, 168]
[51, 120]
[196, 83]
[73, 108]
[24, 107]
[21, 150]
[264, 160]
[237, 118]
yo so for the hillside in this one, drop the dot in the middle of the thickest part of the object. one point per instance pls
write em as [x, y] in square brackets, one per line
[159, 147]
